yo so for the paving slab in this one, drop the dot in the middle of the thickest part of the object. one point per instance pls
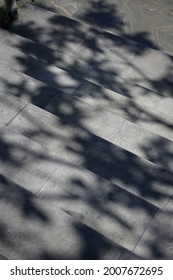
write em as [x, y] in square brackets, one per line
[92, 119]
[78, 120]
[139, 66]
[29, 17]
[135, 63]
[26, 88]
[65, 7]
[102, 100]
[44, 52]
[119, 101]
[24, 161]
[55, 134]
[49, 74]
[139, 176]
[152, 70]
[10, 106]
[156, 242]
[159, 121]
[30, 227]
[106, 208]
[143, 66]
[148, 22]
[61, 33]
[74, 65]
[111, 60]
[145, 144]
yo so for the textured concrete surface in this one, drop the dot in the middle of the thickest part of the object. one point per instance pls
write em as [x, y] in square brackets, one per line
[107, 208]
[157, 239]
[48, 74]
[42, 231]
[64, 187]
[108, 57]
[128, 171]
[149, 22]
[24, 161]
[10, 107]
[145, 144]
[25, 87]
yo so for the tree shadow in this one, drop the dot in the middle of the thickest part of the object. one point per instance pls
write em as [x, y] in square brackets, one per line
[136, 186]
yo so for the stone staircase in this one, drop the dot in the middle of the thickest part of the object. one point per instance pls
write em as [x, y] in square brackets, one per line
[86, 131]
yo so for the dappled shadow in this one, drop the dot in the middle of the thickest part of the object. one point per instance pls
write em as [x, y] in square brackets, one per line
[86, 118]
[103, 14]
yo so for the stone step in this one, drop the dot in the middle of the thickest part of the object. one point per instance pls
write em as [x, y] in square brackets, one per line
[162, 223]
[76, 136]
[35, 228]
[129, 107]
[40, 183]
[148, 111]
[147, 23]
[48, 74]
[25, 87]
[77, 121]
[75, 158]
[70, 64]
[108, 56]
[33, 171]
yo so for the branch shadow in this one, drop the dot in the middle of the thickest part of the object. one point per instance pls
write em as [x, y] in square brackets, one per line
[137, 186]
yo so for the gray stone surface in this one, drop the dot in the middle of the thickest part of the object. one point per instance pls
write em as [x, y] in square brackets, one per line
[91, 119]
[159, 121]
[49, 74]
[156, 242]
[2, 257]
[59, 32]
[24, 161]
[42, 52]
[35, 228]
[10, 106]
[108, 209]
[74, 65]
[145, 144]
[130, 172]
[165, 106]
[127, 102]
[152, 70]
[3, 34]
[25, 87]
[135, 62]
[123, 209]
[148, 22]
[67, 8]
[52, 132]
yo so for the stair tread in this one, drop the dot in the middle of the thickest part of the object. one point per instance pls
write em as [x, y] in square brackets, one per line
[78, 119]
[28, 165]
[101, 151]
[49, 74]
[30, 226]
[162, 224]
[22, 45]
[25, 87]
[107, 208]
[91, 43]
[123, 18]
[133, 110]
[73, 142]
